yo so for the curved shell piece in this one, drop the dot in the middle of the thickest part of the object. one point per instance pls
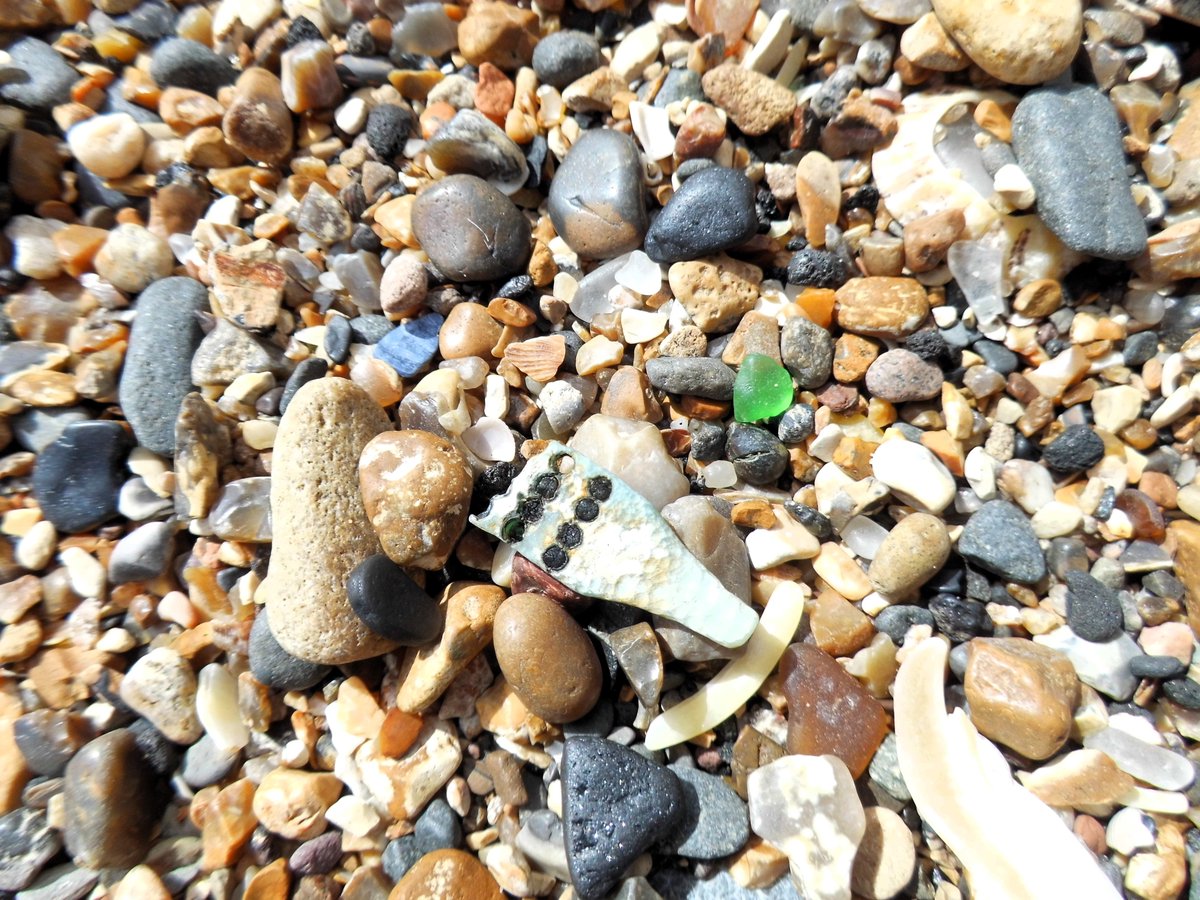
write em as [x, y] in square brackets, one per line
[598, 536]
[1012, 845]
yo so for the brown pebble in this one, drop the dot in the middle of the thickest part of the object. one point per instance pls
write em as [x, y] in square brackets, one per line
[859, 127]
[499, 34]
[927, 239]
[447, 875]
[468, 331]
[829, 711]
[852, 356]
[839, 627]
[546, 657]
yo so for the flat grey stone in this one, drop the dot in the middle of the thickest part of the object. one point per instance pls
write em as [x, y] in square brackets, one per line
[999, 538]
[1068, 142]
[46, 80]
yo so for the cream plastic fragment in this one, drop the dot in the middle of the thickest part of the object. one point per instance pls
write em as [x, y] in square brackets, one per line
[1012, 845]
[737, 682]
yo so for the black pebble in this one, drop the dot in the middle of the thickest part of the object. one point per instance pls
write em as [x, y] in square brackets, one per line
[387, 130]
[816, 268]
[815, 521]
[274, 666]
[1139, 348]
[708, 439]
[306, 370]
[796, 424]
[391, 604]
[301, 30]
[1076, 449]
[758, 456]
[79, 474]
[1093, 609]
[338, 335]
[894, 621]
[180, 62]
[959, 619]
[1183, 691]
[359, 40]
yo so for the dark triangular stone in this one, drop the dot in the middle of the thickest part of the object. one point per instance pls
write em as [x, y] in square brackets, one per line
[616, 804]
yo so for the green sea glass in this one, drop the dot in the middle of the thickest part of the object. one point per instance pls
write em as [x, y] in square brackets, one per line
[762, 389]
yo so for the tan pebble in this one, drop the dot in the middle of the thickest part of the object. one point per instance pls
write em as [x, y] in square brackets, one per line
[184, 109]
[292, 803]
[321, 530]
[20, 640]
[755, 102]
[308, 77]
[132, 258]
[1021, 694]
[140, 883]
[728, 18]
[629, 396]
[1018, 41]
[838, 626]
[859, 127]
[882, 306]
[852, 356]
[912, 553]
[1039, 298]
[819, 193]
[546, 657]
[886, 856]
[1081, 779]
[228, 823]
[269, 883]
[717, 292]
[110, 146]
[926, 43]
[416, 489]
[594, 92]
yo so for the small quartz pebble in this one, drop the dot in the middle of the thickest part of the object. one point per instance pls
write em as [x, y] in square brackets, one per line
[913, 472]
[162, 687]
[416, 488]
[616, 803]
[807, 807]
[547, 657]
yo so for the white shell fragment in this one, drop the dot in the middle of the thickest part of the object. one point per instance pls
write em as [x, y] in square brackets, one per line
[599, 537]
[736, 683]
[1012, 845]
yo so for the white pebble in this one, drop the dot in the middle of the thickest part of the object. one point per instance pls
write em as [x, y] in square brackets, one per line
[640, 273]
[84, 571]
[719, 474]
[652, 126]
[1129, 830]
[913, 472]
[217, 708]
[639, 326]
[110, 146]
[491, 440]
[36, 548]
[1056, 519]
[351, 116]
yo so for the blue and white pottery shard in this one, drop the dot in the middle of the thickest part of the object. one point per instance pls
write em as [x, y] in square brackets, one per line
[598, 536]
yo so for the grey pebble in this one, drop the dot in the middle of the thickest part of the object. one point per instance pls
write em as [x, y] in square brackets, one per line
[158, 365]
[205, 763]
[565, 56]
[713, 210]
[900, 376]
[370, 328]
[999, 538]
[715, 821]
[180, 62]
[36, 429]
[438, 827]
[318, 855]
[274, 666]
[27, 842]
[597, 202]
[61, 883]
[697, 376]
[541, 840]
[492, 240]
[757, 455]
[472, 144]
[143, 554]
[227, 352]
[46, 77]
[807, 351]
[1068, 141]
[306, 370]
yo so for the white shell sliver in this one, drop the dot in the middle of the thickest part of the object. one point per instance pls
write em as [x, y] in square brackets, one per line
[598, 536]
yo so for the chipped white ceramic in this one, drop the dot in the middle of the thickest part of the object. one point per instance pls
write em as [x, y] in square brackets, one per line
[598, 536]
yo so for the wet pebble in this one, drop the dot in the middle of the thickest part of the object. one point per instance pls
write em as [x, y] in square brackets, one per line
[758, 456]
[494, 241]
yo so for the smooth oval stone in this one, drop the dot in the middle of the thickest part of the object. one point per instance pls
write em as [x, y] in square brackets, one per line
[566, 56]
[698, 376]
[712, 211]
[597, 202]
[471, 231]
[158, 364]
[391, 604]
[79, 475]
[416, 488]
[321, 530]
[547, 657]
[49, 738]
[1083, 193]
[715, 821]
[274, 666]
[473, 144]
[912, 553]
[113, 801]
[999, 538]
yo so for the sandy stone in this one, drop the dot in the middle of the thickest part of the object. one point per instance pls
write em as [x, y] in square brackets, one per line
[927, 239]
[321, 530]
[852, 356]
[1187, 566]
[755, 102]
[1018, 41]
[717, 292]
[416, 489]
[447, 875]
[886, 856]
[1021, 694]
[292, 803]
[1081, 779]
[882, 306]
[912, 553]
[132, 258]
[427, 672]
[927, 44]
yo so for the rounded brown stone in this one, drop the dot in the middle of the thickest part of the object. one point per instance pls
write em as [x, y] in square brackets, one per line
[546, 657]
[469, 330]
[471, 231]
[416, 488]
[912, 553]
[447, 875]
[498, 33]
[258, 123]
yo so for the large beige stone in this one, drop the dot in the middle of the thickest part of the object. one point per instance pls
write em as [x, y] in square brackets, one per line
[1018, 41]
[321, 530]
